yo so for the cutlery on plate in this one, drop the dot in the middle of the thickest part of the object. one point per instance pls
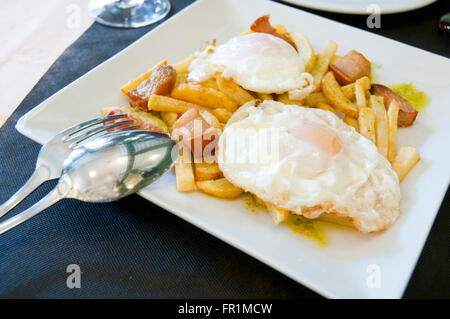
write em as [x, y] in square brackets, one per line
[107, 168]
[52, 154]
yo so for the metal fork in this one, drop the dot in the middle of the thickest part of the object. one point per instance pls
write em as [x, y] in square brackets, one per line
[52, 154]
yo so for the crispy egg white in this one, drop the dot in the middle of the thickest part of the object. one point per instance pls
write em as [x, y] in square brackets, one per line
[309, 162]
[258, 62]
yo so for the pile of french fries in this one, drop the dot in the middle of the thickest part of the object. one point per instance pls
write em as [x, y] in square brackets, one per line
[218, 98]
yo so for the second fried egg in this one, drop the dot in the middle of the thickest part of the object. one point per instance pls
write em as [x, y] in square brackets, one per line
[258, 62]
[309, 161]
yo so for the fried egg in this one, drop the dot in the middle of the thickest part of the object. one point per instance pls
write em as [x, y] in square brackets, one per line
[310, 162]
[258, 62]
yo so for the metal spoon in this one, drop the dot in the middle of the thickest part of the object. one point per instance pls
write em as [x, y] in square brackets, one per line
[107, 168]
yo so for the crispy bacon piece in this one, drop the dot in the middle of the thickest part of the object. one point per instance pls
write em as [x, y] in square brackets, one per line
[161, 82]
[406, 113]
[263, 25]
[195, 132]
[350, 67]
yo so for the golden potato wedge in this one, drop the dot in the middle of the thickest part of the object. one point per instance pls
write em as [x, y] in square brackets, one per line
[392, 116]
[168, 104]
[211, 119]
[348, 90]
[333, 92]
[233, 90]
[264, 96]
[366, 121]
[326, 107]
[219, 188]
[284, 98]
[381, 125]
[405, 160]
[210, 83]
[278, 215]
[169, 118]
[134, 83]
[184, 176]
[245, 33]
[222, 115]
[314, 98]
[335, 58]
[281, 29]
[207, 171]
[352, 122]
[183, 65]
[321, 66]
[360, 93]
[200, 95]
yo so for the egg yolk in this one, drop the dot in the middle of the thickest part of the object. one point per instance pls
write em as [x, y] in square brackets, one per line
[321, 137]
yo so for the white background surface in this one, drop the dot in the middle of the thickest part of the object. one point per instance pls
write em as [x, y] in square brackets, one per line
[33, 34]
[340, 269]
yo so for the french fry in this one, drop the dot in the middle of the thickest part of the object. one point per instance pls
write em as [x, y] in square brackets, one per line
[211, 119]
[134, 83]
[314, 98]
[278, 215]
[279, 28]
[181, 78]
[245, 33]
[264, 96]
[184, 176]
[169, 118]
[207, 171]
[392, 116]
[405, 160]
[210, 83]
[168, 104]
[366, 122]
[234, 91]
[323, 60]
[335, 58]
[219, 188]
[284, 98]
[348, 90]
[381, 125]
[352, 122]
[360, 93]
[333, 92]
[183, 65]
[222, 115]
[200, 95]
[326, 107]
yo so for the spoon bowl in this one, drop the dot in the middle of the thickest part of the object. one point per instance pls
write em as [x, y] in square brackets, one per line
[107, 168]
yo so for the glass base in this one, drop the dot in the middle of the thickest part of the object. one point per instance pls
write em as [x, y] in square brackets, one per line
[128, 14]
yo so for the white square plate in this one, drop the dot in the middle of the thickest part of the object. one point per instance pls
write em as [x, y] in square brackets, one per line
[348, 266]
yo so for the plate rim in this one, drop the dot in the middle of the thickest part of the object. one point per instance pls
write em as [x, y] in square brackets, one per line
[357, 10]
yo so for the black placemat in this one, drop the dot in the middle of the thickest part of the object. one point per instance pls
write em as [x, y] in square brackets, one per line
[132, 248]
